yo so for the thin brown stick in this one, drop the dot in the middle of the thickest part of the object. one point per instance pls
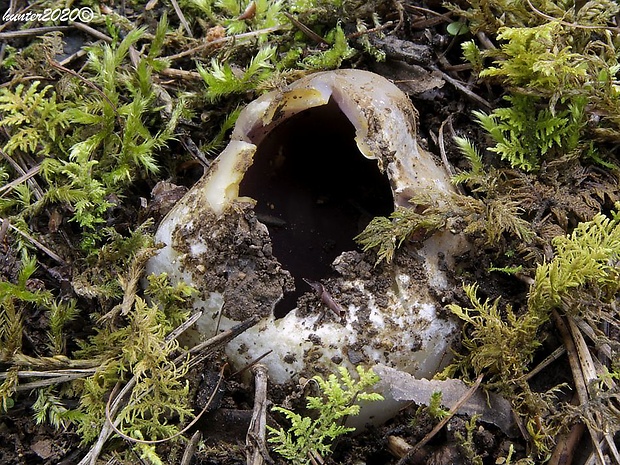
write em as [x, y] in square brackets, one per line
[305, 29]
[578, 376]
[53, 255]
[468, 93]
[92, 31]
[36, 189]
[223, 40]
[406, 459]
[355, 35]
[51, 381]
[24, 177]
[401, 15]
[556, 354]
[74, 56]
[219, 339]
[589, 331]
[35, 31]
[485, 41]
[184, 326]
[429, 22]
[255, 442]
[50, 374]
[59, 67]
[442, 147]
[181, 74]
[251, 364]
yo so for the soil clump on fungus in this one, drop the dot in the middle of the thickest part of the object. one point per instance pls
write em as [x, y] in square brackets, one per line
[106, 121]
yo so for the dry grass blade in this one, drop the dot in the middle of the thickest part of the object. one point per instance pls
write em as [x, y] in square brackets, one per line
[35, 31]
[37, 190]
[181, 16]
[468, 93]
[192, 445]
[207, 347]
[578, 377]
[588, 368]
[305, 29]
[255, 444]
[24, 177]
[566, 444]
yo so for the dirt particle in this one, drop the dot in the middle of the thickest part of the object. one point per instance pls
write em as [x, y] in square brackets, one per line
[232, 261]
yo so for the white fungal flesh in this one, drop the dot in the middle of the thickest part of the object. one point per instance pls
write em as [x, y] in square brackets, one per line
[398, 326]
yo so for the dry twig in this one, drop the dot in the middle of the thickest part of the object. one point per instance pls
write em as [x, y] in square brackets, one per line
[407, 458]
[578, 376]
[255, 444]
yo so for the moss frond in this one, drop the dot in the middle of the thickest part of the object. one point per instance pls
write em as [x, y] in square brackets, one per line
[306, 435]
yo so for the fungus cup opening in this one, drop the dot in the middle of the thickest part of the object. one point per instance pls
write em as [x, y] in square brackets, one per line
[315, 192]
[306, 168]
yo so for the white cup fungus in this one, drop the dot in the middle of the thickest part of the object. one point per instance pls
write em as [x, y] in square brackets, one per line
[306, 168]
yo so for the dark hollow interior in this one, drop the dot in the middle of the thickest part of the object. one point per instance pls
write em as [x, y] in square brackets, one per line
[315, 192]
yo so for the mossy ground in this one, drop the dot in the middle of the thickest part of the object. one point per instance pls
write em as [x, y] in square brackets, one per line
[103, 129]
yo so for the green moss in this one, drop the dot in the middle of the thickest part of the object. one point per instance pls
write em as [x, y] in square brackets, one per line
[221, 80]
[551, 71]
[433, 211]
[91, 144]
[581, 281]
[526, 133]
[309, 436]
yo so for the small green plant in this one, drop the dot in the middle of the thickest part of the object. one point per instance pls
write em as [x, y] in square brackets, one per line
[221, 80]
[60, 313]
[34, 116]
[12, 298]
[524, 133]
[334, 56]
[551, 71]
[241, 16]
[435, 409]
[49, 408]
[580, 282]
[537, 57]
[310, 436]
[91, 141]
[388, 234]
[433, 211]
[466, 442]
[501, 343]
[484, 16]
[585, 261]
